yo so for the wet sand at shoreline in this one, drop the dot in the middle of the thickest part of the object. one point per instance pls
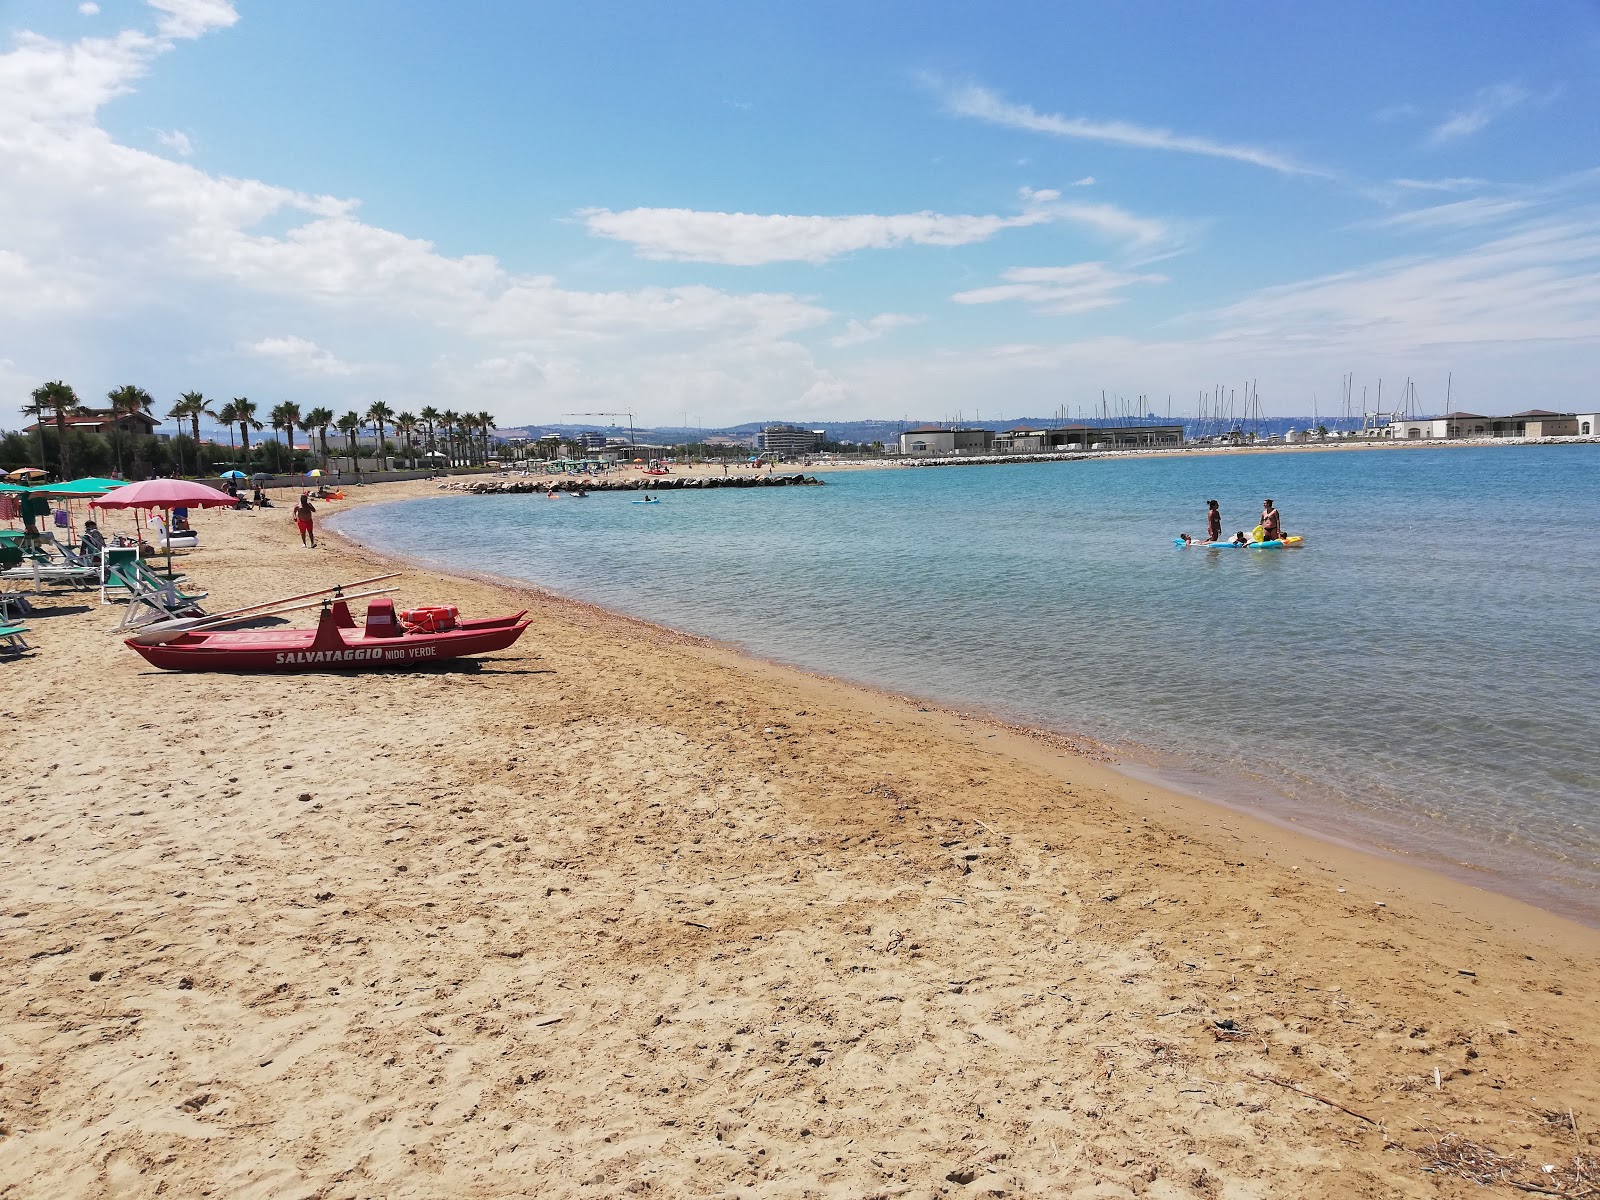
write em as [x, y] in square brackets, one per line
[622, 912]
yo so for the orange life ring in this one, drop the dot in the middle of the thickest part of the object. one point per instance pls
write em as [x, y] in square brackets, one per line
[430, 618]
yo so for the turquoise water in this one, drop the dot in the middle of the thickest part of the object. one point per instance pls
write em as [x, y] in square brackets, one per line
[1424, 675]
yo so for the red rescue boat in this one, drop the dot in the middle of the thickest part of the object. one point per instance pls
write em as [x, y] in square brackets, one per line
[335, 644]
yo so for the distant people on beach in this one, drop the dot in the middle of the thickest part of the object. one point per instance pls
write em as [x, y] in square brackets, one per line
[1213, 521]
[260, 498]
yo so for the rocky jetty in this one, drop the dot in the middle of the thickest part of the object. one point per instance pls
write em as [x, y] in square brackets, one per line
[663, 483]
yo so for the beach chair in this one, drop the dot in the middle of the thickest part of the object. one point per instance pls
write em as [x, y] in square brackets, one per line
[123, 573]
[42, 573]
[12, 641]
[149, 597]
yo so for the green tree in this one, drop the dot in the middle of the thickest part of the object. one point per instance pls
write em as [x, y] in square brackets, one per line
[228, 414]
[126, 401]
[379, 413]
[60, 402]
[350, 426]
[319, 419]
[285, 416]
[244, 415]
[198, 407]
[448, 420]
[291, 421]
[485, 422]
[406, 424]
[430, 421]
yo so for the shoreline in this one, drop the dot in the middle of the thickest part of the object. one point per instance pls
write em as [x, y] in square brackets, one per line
[1018, 460]
[1486, 891]
[621, 910]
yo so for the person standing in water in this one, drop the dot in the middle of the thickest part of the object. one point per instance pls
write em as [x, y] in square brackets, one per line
[1213, 521]
[1271, 523]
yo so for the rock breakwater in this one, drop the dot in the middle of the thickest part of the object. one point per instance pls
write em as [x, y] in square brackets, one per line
[690, 483]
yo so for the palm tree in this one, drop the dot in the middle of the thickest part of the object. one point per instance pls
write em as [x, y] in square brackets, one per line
[486, 427]
[228, 414]
[193, 406]
[448, 419]
[178, 411]
[278, 418]
[430, 419]
[61, 402]
[125, 402]
[406, 424]
[319, 419]
[378, 412]
[291, 421]
[244, 415]
[350, 426]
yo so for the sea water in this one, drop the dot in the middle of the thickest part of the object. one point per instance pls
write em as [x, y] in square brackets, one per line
[1423, 675]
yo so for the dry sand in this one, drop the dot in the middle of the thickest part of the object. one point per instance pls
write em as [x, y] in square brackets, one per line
[621, 913]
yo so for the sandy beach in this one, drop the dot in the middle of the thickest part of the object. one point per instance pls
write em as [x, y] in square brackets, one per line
[621, 912]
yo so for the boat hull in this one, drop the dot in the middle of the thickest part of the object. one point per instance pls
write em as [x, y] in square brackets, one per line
[326, 648]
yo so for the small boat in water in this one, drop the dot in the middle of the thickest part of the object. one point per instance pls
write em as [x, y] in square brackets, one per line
[336, 644]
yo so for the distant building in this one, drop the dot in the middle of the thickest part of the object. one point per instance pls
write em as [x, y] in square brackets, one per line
[102, 421]
[927, 440]
[790, 440]
[591, 441]
[1534, 423]
[1026, 440]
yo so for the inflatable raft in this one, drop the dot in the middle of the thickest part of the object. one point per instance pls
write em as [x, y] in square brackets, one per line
[1288, 543]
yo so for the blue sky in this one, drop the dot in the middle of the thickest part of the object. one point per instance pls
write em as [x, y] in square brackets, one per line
[730, 212]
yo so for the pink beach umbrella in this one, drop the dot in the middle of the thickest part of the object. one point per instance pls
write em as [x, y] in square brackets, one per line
[165, 494]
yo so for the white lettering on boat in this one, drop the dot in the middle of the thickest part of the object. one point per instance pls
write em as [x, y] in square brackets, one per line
[360, 654]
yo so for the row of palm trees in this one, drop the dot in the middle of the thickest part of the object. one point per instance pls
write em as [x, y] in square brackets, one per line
[466, 437]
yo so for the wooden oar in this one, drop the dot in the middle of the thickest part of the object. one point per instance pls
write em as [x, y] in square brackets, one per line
[178, 624]
[155, 637]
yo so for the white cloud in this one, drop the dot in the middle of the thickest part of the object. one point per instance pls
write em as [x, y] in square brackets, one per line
[176, 140]
[1459, 214]
[189, 277]
[1059, 291]
[1086, 181]
[298, 355]
[193, 18]
[89, 8]
[1486, 105]
[858, 333]
[1397, 112]
[751, 239]
[1539, 283]
[1459, 184]
[983, 104]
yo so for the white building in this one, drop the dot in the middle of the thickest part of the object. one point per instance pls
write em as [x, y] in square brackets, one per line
[1534, 423]
[933, 440]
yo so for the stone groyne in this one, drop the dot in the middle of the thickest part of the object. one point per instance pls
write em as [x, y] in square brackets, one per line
[664, 483]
